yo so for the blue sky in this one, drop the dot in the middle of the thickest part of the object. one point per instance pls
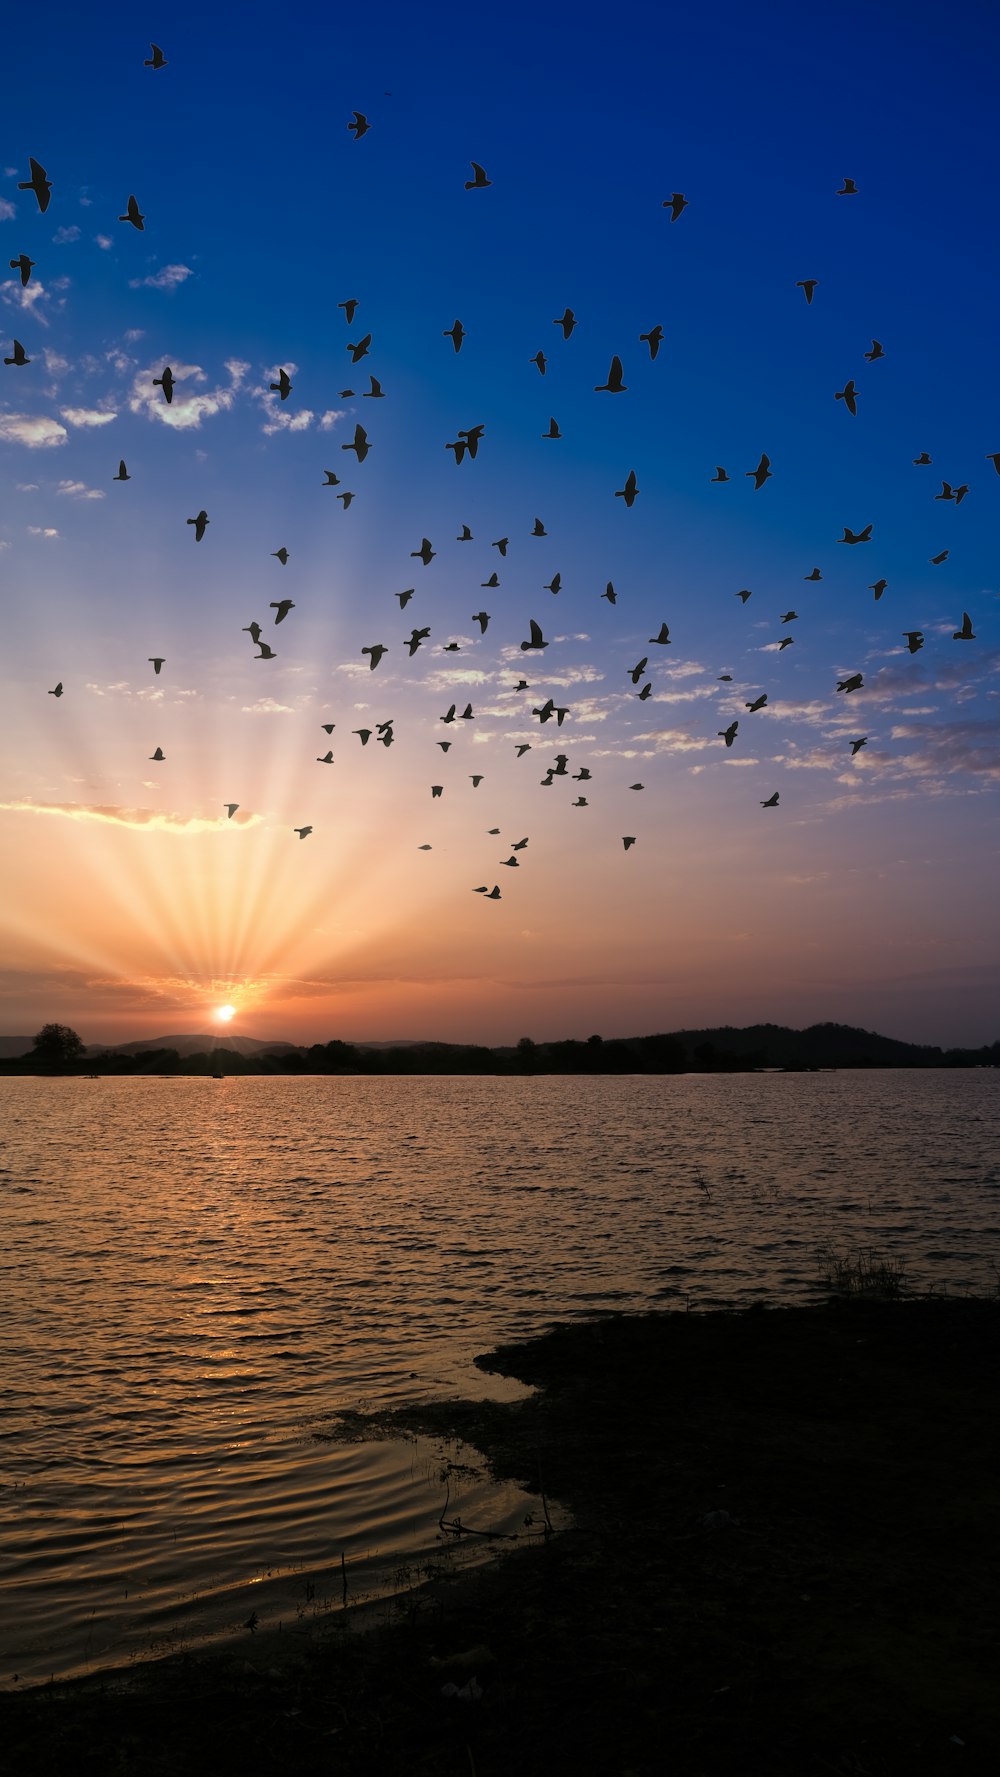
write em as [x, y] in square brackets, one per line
[868, 894]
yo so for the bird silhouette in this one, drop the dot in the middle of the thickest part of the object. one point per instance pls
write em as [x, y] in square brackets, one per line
[466, 535]
[758, 703]
[653, 339]
[303, 832]
[472, 435]
[629, 491]
[327, 759]
[283, 387]
[807, 286]
[364, 734]
[789, 616]
[375, 653]
[438, 790]
[914, 640]
[856, 745]
[230, 808]
[328, 727]
[376, 392]
[538, 529]
[554, 584]
[553, 431]
[876, 352]
[663, 637]
[936, 560]
[994, 458]
[815, 575]
[848, 396]
[501, 543]
[405, 597]
[848, 189]
[57, 690]
[39, 183]
[567, 321]
[456, 333]
[349, 308]
[24, 265]
[360, 350]
[266, 651]
[762, 472]
[480, 182]
[923, 458]
[675, 203]
[282, 555]
[853, 683]
[539, 359]
[134, 215]
[332, 480]
[628, 840]
[482, 618]
[282, 606]
[416, 637]
[635, 672]
[359, 125]
[610, 594]
[425, 553]
[614, 384]
[729, 734]
[850, 536]
[199, 524]
[965, 634]
[166, 383]
[494, 580]
[123, 474]
[720, 473]
[158, 755]
[744, 594]
[537, 639]
[960, 493]
[878, 587]
[253, 631]
[19, 357]
[156, 661]
[157, 59]
[359, 444]
[786, 642]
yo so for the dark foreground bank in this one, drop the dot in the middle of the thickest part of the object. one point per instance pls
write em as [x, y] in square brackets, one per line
[785, 1560]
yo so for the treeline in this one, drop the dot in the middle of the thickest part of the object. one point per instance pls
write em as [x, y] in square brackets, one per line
[721, 1050]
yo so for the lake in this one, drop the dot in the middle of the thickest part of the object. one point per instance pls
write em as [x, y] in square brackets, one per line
[199, 1275]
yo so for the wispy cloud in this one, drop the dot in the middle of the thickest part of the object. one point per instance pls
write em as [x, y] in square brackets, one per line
[63, 236]
[148, 819]
[38, 530]
[167, 278]
[7, 210]
[85, 416]
[36, 430]
[187, 410]
[267, 706]
[104, 241]
[80, 491]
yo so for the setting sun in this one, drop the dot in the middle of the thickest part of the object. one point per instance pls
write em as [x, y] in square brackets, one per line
[224, 1013]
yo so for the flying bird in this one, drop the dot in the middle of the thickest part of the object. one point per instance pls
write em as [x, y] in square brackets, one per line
[494, 580]
[877, 351]
[501, 543]
[466, 536]
[253, 631]
[359, 445]
[199, 524]
[554, 584]
[332, 480]
[359, 125]
[230, 808]
[22, 264]
[282, 555]
[537, 639]
[19, 357]
[375, 653]
[567, 321]
[610, 594]
[58, 690]
[850, 536]
[405, 597]
[628, 840]
[123, 474]
[480, 182]
[965, 634]
[848, 396]
[553, 431]
[663, 637]
[327, 759]
[134, 215]
[789, 617]
[762, 472]
[720, 473]
[282, 606]
[744, 594]
[675, 203]
[416, 637]
[157, 60]
[456, 333]
[653, 339]
[758, 703]
[994, 458]
[360, 350]
[786, 642]
[635, 672]
[283, 387]
[538, 529]
[266, 652]
[729, 734]
[856, 745]
[853, 683]
[364, 734]
[815, 575]
[772, 801]
[158, 756]
[924, 457]
[807, 286]
[166, 383]
[614, 384]
[936, 560]
[39, 183]
[328, 727]
[539, 359]
[348, 307]
[425, 553]
[156, 661]
[878, 587]
[848, 189]
[303, 832]
[482, 618]
[914, 639]
[376, 392]
[629, 491]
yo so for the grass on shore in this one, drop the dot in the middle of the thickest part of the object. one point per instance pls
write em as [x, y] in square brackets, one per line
[783, 1560]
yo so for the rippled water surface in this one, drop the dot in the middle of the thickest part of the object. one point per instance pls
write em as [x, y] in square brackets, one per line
[198, 1275]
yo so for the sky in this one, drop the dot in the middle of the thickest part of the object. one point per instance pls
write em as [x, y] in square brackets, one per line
[131, 903]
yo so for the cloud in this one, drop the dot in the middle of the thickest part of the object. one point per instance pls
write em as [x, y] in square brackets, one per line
[85, 416]
[26, 296]
[280, 420]
[104, 241]
[7, 210]
[37, 530]
[186, 412]
[147, 819]
[167, 278]
[944, 748]
[63, 236]
[55, 364]
[80, 490]
[266, 706]
[330, 417]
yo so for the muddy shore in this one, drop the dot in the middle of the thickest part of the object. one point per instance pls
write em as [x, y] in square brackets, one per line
[784, 1558]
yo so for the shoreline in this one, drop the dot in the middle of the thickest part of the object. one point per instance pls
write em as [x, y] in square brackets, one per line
[782, 1558]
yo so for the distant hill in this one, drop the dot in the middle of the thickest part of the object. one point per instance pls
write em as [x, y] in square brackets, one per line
[14, 1046]
[194, 1045]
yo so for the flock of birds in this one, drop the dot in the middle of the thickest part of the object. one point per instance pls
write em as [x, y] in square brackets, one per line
[466, 445]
